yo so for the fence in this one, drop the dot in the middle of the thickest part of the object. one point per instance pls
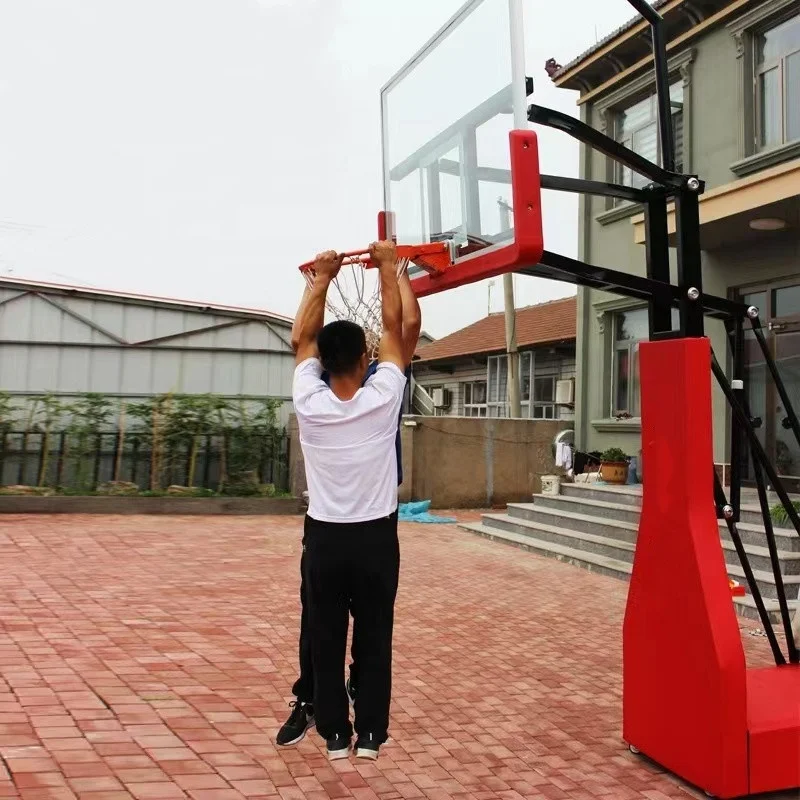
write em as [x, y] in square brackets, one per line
[80, 463]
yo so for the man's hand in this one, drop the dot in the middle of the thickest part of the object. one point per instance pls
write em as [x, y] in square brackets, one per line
[327, 265]
[311, 316]
[384, 255]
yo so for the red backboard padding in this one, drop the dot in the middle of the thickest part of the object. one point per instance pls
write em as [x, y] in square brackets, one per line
[528, 243]
[684, 676]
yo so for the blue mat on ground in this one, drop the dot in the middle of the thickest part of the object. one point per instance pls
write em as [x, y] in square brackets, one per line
[419, 512]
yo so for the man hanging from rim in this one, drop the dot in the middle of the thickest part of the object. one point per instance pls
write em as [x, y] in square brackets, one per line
[302, 715]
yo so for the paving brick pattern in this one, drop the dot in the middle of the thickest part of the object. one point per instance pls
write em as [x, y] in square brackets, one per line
[152, 658]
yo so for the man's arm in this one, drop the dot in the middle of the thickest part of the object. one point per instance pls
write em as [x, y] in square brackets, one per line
[301, 310]
[384, 254]
[326, 267]
[412, 317]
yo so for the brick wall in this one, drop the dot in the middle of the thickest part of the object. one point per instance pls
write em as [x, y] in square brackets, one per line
[459, 462]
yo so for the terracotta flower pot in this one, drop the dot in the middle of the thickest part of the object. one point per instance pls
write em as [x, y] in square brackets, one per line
[615, 473]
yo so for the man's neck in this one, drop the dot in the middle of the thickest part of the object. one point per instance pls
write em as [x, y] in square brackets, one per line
[345, 386]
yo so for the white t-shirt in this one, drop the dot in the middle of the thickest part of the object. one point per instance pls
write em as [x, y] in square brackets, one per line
[349, 445]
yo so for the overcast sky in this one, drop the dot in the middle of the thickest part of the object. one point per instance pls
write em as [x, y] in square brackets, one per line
[203, 148]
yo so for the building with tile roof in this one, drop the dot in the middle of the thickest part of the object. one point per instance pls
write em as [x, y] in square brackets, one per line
[465, 373]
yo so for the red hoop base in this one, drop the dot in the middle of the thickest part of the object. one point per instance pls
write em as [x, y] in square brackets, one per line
[689, 701]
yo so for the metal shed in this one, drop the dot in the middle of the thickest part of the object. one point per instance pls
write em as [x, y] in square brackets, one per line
[69, 340]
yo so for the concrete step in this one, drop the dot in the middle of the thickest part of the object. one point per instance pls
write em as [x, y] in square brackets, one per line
[631, 496]
[618, 531]
[620, 550]
[595, 562]
[746, 607]
[597, 543]
[620, 495]
[787, 539]
[590, 561]
[601, 509]
[548, 514]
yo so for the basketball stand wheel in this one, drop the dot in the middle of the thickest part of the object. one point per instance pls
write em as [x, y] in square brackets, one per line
[634, 750]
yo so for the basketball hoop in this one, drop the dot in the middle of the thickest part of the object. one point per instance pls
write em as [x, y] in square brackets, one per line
[357, 289]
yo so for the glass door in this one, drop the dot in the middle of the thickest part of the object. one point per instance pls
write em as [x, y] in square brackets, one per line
[780, 313]
[786, 340]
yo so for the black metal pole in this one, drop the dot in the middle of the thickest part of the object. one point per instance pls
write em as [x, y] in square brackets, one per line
[690, 273]
[780, 589]
[657, 257]
[662, 95]
[60, 463]
[558, 183]
[117, 445]
[750, 577]
[207, 464]
[23, 458]
[776, 377]
[756, 447]
[3, 441]
[738, 451]
[604, 144]
[98, 452]
[135, 460]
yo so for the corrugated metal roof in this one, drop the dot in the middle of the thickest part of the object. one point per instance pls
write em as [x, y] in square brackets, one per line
[89, 292]
[605, 40]
[540, 324]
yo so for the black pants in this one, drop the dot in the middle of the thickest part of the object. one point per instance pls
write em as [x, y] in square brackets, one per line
[351, 568]
[303, 688]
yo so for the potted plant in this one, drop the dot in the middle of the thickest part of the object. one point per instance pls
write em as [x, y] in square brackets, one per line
[614, 466]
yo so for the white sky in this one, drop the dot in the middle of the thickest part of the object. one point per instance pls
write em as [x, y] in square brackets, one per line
[203, 148]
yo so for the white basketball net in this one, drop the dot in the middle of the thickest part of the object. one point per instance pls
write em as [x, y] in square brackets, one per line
[356, 296]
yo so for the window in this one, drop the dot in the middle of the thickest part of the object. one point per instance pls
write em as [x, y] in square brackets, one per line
[629, 329]
[475, 399]
[544, 395]
[437, 412]
[777, 80]
[498, 386]
[636, 127]
[537, 391]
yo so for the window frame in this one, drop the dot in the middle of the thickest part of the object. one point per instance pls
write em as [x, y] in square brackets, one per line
[497, 407]
[631, 346]
[762, 69]
[679, 67]
[544, 405]
[745, 31]
[468, 407]
[620, 170]
[627, 346]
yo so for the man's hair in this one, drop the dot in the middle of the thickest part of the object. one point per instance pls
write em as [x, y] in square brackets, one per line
[341, 345]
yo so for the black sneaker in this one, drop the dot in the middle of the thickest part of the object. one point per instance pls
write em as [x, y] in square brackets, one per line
[294, 729]
[367, 746]
[351, 691]
[338, 747]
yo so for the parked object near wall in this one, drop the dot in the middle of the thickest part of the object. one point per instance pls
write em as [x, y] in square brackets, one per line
[551, 484]
[614, 466]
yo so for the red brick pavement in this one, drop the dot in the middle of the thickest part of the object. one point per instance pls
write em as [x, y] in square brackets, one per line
[152, 657]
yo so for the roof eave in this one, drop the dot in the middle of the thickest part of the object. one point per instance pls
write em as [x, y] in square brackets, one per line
[496, 351]
[88, 292]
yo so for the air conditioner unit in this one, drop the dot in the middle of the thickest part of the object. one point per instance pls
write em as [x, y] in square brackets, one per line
[441, 398]
[565, 392]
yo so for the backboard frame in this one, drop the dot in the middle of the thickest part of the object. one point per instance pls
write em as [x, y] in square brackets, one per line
[477, 260]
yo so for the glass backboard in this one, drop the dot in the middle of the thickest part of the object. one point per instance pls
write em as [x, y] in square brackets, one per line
[446, 120]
